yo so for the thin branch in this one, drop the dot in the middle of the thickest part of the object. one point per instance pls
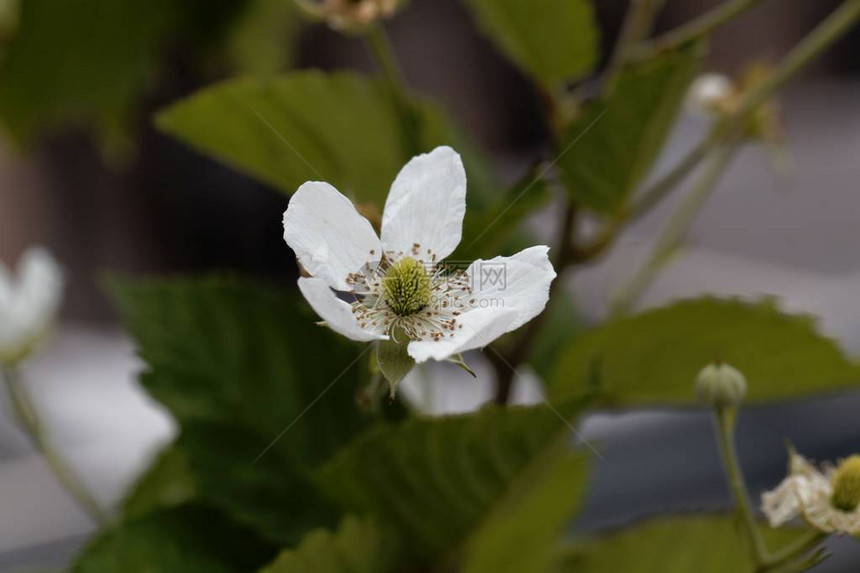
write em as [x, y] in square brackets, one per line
[705, 24]
[637, 25]
[673, 233]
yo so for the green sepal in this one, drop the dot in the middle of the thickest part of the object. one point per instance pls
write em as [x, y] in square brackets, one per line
[393, 360]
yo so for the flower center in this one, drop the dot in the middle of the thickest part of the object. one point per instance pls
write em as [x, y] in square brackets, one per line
[846, 484]
[406, 287]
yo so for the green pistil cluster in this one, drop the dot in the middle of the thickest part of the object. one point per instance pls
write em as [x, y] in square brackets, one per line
[406, 287]
[846, 484]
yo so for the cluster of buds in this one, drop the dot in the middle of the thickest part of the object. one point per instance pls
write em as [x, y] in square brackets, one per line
[350, 15]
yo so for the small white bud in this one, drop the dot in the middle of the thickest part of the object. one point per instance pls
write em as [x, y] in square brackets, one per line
[708, 92]
[719, 384]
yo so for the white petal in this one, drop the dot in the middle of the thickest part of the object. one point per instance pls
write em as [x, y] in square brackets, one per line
[480, 328]
[330, 238]
[782, 504]
[336, 313]
[518, 284]
[426, 204]
[29, 301]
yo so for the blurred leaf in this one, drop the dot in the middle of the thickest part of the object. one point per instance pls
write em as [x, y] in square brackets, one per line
[562, 325]
[523, 534]
[78, 59]
[358, 546]
[93, 60]
[264, 41]
[169, 482]
[553, 40]
[437, 480]
[612, 145]
[700, 543]
[341, 128]
[653, 358]
[486, 230]
[238, 367]
[187, 539]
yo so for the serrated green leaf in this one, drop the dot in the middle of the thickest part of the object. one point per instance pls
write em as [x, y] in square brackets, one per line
[612, 145]
[436, 480]
[306, 126]
[552, 40]
[653, 358]
[700, 543]
[523, 534]
[169, 482]
[234, 364]
[358, 546]
[187, 539]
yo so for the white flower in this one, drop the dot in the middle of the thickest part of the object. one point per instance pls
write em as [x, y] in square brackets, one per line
[28, 303]
[398, 284]
[828, 500]
[350, 15]
[709, 92]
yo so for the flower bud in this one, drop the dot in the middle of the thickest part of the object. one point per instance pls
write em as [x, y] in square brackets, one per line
[711, 94]
[719, 384]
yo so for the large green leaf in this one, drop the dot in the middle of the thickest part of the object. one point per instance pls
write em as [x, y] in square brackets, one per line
[437, 480]
[523, 534]
[553, 40]
[244, 372]
[700, 543]
[342, 128]
[653, 358]
[358, 546]
[612, 145]
[186, 539]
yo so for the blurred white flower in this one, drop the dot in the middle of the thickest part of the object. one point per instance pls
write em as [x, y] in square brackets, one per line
[350, 15]
[709, 92]
[399, 284]
[29, 299]
[828, 500]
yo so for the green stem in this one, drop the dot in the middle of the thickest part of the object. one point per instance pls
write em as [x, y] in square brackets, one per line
[822, 37]
[29, 422]
[383, 54]
[673, 234]
[813, 45]
[697, 28]
[725, 426]
[637, 25]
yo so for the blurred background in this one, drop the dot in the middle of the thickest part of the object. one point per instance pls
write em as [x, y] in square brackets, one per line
[89, 177]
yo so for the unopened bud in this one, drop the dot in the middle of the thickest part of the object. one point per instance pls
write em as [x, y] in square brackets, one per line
[711, 94]
[719, 384]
